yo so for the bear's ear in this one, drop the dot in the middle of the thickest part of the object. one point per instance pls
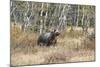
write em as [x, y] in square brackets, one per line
[57, 33]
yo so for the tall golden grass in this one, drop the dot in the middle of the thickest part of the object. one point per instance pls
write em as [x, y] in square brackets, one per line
[71, 47]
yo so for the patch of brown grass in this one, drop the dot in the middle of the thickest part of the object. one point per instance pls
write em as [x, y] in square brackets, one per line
[22, 41]
[88, 44]
[71, 47]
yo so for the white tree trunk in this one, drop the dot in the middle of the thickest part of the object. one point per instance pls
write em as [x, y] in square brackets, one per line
[41, 27]
[77, 16]
[83, 20]
[41, 21]
[62, 19]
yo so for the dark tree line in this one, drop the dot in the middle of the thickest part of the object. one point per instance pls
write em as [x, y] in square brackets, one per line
[40, 17]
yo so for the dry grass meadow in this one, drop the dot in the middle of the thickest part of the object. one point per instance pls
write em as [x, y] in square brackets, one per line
[71, 47]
